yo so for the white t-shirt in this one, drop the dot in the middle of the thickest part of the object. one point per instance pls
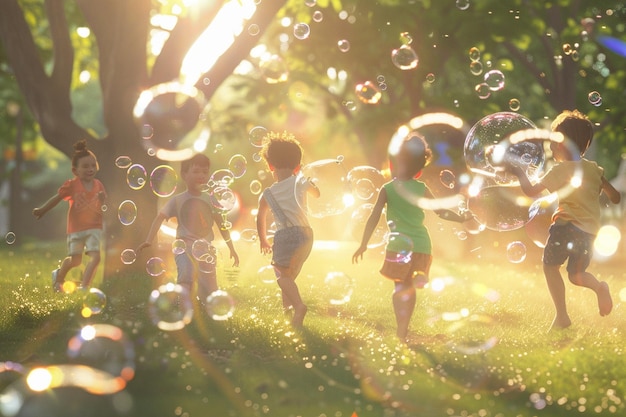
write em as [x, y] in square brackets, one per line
[291, 198]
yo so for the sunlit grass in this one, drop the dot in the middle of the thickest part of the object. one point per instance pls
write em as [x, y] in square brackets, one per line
[479, 347]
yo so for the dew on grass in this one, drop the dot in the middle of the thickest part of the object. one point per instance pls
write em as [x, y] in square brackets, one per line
[170, 307]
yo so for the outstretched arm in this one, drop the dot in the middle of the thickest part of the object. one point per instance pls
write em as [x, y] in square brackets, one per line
[371, 224]
[450, 215]
[610, 191]
[531, 190]
[154, 228]
[47, 206]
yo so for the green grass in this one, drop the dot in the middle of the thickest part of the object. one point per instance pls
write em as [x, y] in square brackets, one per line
[480, 347]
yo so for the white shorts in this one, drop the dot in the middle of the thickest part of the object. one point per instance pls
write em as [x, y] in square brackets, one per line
[87, 240]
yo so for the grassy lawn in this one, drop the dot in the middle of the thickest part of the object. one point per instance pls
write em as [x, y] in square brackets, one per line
[479, 344]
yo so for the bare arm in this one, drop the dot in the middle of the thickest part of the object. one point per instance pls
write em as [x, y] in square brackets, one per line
[313, 191]
[450, 215]
[154, 228]
[610, 191]
[47, 206]
[261, 225]
[226, 236]
[371, 224]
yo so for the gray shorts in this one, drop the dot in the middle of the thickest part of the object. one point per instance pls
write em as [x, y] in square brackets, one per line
[292, 246]
[87, 240]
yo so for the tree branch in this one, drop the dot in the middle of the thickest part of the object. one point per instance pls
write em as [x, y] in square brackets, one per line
[63, 52]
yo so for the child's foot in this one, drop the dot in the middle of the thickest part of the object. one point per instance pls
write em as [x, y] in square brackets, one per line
[420, 281]
[560, 323]
[298, 316]
[56, 286]
[605, 303]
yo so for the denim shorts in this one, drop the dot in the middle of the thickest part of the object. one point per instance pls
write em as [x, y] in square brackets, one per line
[292, 246]
[191, 270]
[568, 242]
[87, 240]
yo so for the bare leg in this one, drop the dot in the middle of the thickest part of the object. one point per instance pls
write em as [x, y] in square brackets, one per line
[67, 264]
[601, 288]
[291, 293]
[403, 307]
[90, 269]
[557, 291]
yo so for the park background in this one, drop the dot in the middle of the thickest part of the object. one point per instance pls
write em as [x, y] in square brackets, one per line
[343, 77]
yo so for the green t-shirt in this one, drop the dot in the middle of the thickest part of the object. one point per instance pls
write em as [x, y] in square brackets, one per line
[405, 216]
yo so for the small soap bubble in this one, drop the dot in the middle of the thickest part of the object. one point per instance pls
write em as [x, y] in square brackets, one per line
[256, 187]
[274, 69]
[136, 176]
[514, 104]
[474, 54]
[343, 45]
[399, 248]
[516, 252]
[462, 4]
[495, 80]
[339, 287]
[178, 247]
[404, 58]
[94, 302]
[128, 256]
[447, 178]
[238, 165]
[368, 93]
[170, 307]
[220, 305]
[10, 238]
[249, 235]
[318, 16]
[155, 266]
[595, 98]
[163, 180]
[483, 91]
[406, 38]
[476, 68]
[254, 29]
[267, 274]
[256, 135]
[123, 162]
[301, 31]
[430, 78]
[127, 212]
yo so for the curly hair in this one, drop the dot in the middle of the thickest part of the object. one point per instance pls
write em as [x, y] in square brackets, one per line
[281, 150]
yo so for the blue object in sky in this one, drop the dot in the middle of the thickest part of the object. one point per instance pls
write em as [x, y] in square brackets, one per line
[616, 45]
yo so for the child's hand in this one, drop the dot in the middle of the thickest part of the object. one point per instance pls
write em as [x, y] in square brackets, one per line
[359, 254]
[38, 212]
[266, 248]
[234, 257]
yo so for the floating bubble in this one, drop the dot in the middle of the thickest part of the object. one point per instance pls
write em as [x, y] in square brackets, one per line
[357, 225]
[267, 274]
[256, 187]
[136, 176]
[476, 68]
[10, 238]
[254, 29]
[366, 181]
[447, 178]
[310, 3]
[179, 246]
[176, 113]
[364, 189]
[399, 248]
[404, 58]
[474, 54]
[368, 93]
[339, 287]
[123, 162]
[430, 78]
[274, 69]
[516, 252]
[155, 266]
[128, 256]
[483, 91]
[222, 178]
[170, 307]
[499, 207]
[94, 302]
[238, 165]
[514, 104]
[104, 347]
[318, 16]
[224, 199]
[462, 4]
[301, 31]
[539, 219]
[203, 250]
[595, 98]
[249, 235]
[220, 305]
[495, 80]
[330, 176]
[163, 180]
[343, 45]
[127, 212]
[480, 146]
[256, 135]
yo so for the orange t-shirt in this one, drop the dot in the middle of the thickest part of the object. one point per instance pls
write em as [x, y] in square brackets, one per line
[85, 207]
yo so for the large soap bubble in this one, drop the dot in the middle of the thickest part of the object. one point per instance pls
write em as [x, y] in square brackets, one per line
[172, 120]
[482, 147]
[330, 176]
[500, 207]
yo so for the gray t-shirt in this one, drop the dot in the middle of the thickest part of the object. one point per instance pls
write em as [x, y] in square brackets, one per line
[194, 215]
